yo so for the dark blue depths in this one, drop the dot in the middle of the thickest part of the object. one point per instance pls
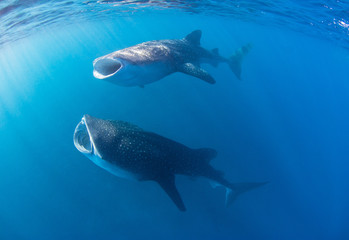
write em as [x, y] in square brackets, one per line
[286, 122]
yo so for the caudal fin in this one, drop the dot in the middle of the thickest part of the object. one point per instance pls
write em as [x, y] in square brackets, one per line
[236, 189]
[236, 59]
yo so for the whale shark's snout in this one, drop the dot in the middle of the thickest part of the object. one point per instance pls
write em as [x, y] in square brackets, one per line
[92, 135]
[106, 67]
[85, 135]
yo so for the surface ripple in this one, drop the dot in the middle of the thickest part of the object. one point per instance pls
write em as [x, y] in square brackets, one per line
[323, 19]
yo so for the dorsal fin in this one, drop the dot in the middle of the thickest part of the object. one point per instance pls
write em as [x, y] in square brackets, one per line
[206, 154]
[194, 37]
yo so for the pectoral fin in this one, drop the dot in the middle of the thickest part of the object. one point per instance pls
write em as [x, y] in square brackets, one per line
[168, 184]
[196, 71]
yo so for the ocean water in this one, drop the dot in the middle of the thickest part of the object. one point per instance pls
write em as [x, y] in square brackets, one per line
[285, 122]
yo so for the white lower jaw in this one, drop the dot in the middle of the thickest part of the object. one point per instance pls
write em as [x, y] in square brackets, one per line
[100, 76]
[113, 169]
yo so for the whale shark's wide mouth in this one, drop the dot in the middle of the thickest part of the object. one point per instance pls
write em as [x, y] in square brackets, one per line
[82, 139]
[106, 67]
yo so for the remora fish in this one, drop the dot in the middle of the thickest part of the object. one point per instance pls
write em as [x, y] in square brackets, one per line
[127, 151]
[151, 61]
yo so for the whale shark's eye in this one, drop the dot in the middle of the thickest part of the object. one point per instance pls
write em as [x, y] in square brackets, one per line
[82, 139]
[106, 67]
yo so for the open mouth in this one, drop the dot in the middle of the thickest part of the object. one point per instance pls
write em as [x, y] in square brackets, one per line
[82, 139]
[105, 67]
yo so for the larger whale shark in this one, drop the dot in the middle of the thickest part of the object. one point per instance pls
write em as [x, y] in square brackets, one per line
[128, 151]
[151, 61]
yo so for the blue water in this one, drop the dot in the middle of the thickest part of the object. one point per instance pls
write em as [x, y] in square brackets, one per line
[286, 122]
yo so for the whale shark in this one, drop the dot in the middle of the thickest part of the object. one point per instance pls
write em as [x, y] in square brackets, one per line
[151, 61]
[130, 152]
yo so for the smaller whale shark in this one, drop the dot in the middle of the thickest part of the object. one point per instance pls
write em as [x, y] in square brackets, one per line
[151, 61]
[128, 151]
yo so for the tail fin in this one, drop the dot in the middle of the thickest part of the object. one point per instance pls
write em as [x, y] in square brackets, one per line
[236, 59]
[237, 188]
